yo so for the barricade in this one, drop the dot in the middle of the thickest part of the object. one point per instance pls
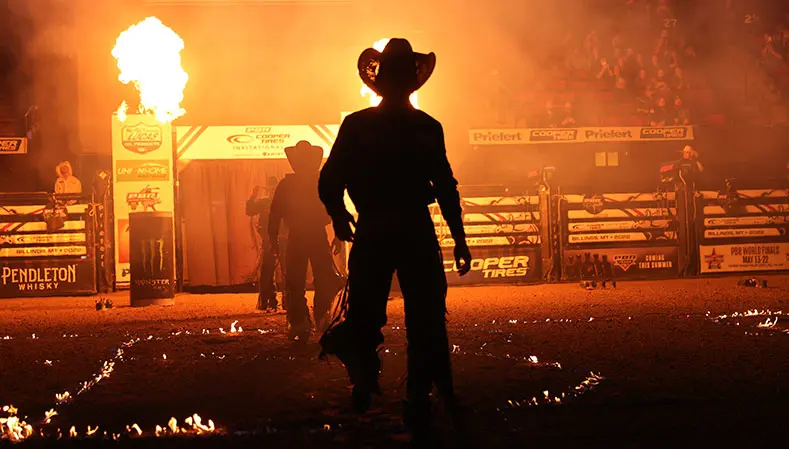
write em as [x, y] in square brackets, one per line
[503, 233]
[618, 236]
[745, 227]
[47, 245]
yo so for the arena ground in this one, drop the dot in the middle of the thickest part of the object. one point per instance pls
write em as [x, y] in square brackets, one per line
[672, 371]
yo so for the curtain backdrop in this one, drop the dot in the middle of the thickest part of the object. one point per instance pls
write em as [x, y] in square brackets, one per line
[219, 239]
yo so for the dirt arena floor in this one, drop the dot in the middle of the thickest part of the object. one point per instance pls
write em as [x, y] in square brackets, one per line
[649, 364]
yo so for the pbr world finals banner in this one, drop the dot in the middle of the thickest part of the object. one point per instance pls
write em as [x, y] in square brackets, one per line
[142, 164]
[531, 136]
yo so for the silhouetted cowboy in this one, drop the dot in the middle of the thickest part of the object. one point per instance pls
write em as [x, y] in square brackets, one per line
[296, 202]
[260, 206]
[392, 160]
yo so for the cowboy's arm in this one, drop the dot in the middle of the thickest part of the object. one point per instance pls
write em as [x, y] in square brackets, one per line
[445, 187]
[332, 182]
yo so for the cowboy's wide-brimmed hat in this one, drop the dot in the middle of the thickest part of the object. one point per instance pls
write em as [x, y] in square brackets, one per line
[379, 68]
[304, 157]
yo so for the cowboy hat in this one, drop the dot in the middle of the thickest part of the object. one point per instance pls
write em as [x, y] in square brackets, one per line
[304, 157]
[396, 53]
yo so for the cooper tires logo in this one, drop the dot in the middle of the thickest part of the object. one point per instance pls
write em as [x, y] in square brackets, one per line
[241, 139]
[553, 135]
[664, 133]
[141, 138]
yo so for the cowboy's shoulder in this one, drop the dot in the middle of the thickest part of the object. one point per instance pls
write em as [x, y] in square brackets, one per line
[359, 116]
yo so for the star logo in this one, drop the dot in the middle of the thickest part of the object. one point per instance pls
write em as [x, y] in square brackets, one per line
[714, 260]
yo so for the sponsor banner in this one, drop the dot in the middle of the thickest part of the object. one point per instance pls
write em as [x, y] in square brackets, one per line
[633, 263]
[522, 136]
[618, 225]
[42, 239]
[525, 228]
[46, 278]
[641, 212]
[152, 250]
[142, 160]
[503, 217]
[143, 171]
[748, 209]
[25, 226]
[747, 194]
[742, 233]
[622, 237]
[621, 197]
[44, 251]
[496, 266]
[494, 241]
[744, 221]
[249, 142]
[500, 201]
[744, 257]
[19, 210]
[13, 145]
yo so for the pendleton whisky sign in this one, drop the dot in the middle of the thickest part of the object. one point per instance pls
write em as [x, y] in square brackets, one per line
[47, 278]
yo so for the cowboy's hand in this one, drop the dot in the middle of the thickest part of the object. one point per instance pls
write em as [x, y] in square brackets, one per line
[336, 245]
[342, 226]
[462, 258]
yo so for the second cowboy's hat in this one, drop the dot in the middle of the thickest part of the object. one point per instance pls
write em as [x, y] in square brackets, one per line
[304, 157]
[396, 55]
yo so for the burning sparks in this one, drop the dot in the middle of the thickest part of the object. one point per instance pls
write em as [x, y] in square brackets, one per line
[374, 99]
[148, 55]
[234, 329]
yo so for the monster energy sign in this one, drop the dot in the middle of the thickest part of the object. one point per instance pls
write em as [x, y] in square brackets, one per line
[151, 256]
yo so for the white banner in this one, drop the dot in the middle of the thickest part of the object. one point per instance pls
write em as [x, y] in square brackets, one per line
[42, 239]
[621, 237]
[629, 225]
[249, 142]
[47, 251]
[635, 213]
[530, 136]
[744, 221]
[746, 257]
[493, 241]
[741, 233]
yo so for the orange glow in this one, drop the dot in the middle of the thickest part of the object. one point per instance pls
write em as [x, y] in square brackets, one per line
[374, 99]
[149, 55]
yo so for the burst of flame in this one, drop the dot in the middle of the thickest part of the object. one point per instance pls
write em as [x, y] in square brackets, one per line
[374, 99]
[148, 55]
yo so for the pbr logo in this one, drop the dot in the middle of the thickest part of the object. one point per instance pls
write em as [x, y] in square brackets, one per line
[148, 198]
[714, 260]
[141, 138]
[625, 261]
[594, 204]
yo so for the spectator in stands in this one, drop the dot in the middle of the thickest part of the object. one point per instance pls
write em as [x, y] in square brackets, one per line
[606, 74]
[679, 82]
[568, 121]
[659, 113]
[771, 59]
[548, 118]
[660, 83]
[680, 114]
[641, 82]
[620, 86]
[631, 66]
[655, 64]
[646, 101]
[66, 182]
